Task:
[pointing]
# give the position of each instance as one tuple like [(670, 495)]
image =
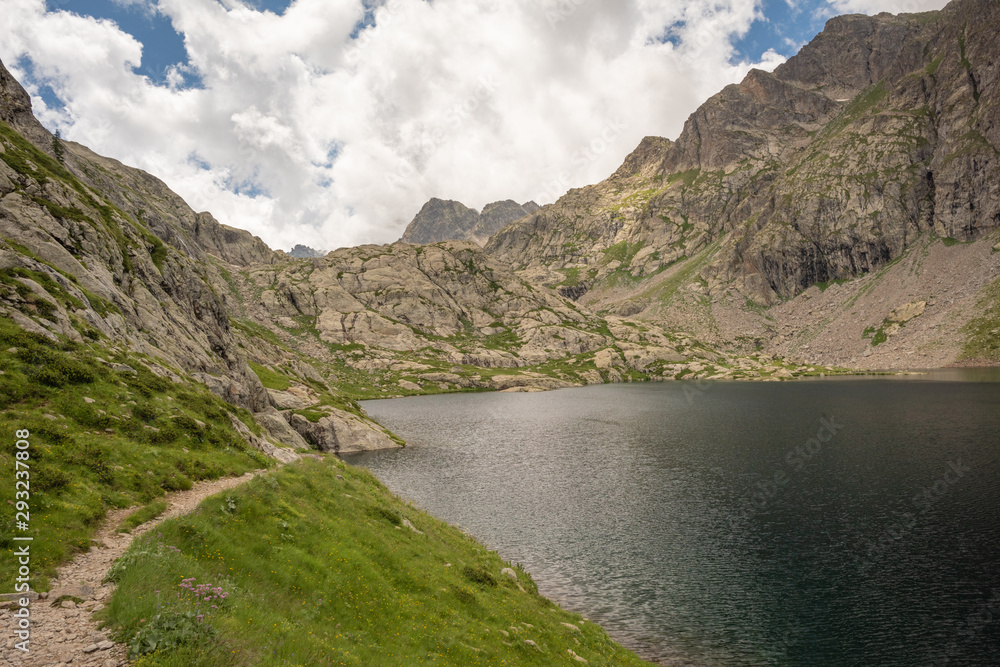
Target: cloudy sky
[(330, 122)]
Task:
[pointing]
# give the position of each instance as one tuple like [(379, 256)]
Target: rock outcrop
[(89, 247), (341, 432), (441, 220)]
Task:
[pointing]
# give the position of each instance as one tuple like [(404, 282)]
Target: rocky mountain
[(100, 254), (441, 220), (879, 137), (303, 251), (107, 257)]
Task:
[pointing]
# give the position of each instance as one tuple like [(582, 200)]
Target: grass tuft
[(142, 515)]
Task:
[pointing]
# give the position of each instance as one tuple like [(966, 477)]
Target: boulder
[(341, 432), (296, 397), (262, 444), (607, 358), (81, 591), (277, 426), (907, 312)]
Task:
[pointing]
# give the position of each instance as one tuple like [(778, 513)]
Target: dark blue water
[(806, 523)]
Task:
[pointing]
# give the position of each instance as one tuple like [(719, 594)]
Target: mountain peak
[(303, 251), (449, 220)]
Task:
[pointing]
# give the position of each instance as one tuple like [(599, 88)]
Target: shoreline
[(646, 650), (912, 373)]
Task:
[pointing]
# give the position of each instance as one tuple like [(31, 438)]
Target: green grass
[(100, 305), (825, 285), (254, 330), (982, 334), (933, 66), (142, 515), (877, 335), (322, 571), (623, 251), (864, 103), (9, 277), (684, 274), (271, 378), (138, 439), (23, 157), (504, 340), (62, 212), (312, 415), (686, 177), (572, 277)]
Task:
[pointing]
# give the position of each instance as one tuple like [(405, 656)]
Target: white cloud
[(878, 6), (302, 134)]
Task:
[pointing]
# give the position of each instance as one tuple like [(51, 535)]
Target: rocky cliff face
[(91, 246), (93, 251), (441, 220), (882, 131)]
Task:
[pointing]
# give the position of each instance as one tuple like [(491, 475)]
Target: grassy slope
[(982, 341), (135, 441), (321, 571)]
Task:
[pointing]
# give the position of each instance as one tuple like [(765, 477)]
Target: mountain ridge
[(731, 165), (449, 220), (879, 137)]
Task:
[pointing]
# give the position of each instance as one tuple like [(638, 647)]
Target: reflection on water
[(799, 523)]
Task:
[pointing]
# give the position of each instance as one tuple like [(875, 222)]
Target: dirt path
[(67, 635)]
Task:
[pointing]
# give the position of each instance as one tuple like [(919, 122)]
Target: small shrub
[(129, 559), (166, 632), (464, 595), (386, 514), (478, 575), (165, 435), (176, 483), (49, 478), (147, 383), (105, 473), (145, 411)]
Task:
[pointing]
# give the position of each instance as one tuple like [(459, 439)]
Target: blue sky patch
[(42, 89), (784, 28), (162, 48), (367, 21), (275, 6)]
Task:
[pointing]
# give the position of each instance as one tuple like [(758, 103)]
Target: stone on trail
[(81, 591)]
